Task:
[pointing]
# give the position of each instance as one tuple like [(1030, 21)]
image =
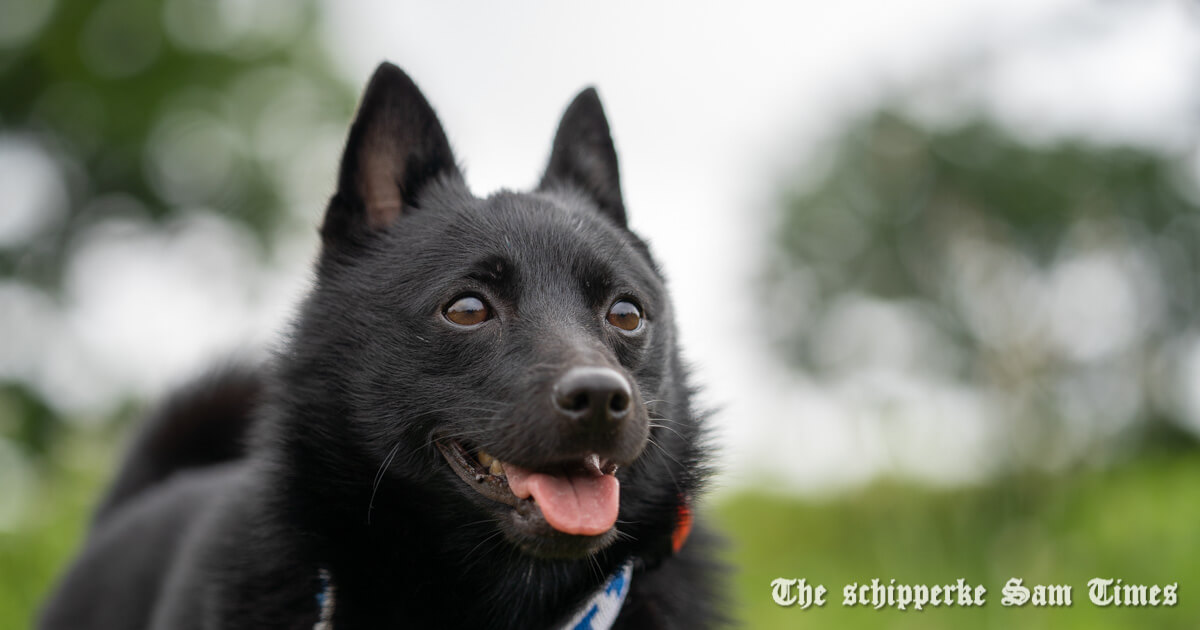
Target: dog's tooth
[(591, 463), (485, 459), (496, 468)]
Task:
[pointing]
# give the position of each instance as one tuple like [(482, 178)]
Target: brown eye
[(625, 315), (468, 310)]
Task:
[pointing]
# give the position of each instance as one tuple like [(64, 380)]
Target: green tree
[(151, 109), (1057, 282)]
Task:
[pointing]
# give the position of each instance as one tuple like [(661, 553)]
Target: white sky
[(712, 106)]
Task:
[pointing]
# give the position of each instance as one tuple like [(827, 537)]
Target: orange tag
[(682, 528)]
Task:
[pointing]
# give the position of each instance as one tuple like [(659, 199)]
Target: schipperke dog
[(480, 420)]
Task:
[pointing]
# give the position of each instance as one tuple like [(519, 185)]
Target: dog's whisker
[(597, 570), (625, 536), (379, 475), (654, 425), (457, 435), (444, 410), (665, 452), (471, 565), (478, 522), (666, 466)]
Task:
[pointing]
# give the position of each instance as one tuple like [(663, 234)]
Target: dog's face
[(507, 350)]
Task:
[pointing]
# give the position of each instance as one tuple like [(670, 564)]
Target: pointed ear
[(584, 158), (396, 147)]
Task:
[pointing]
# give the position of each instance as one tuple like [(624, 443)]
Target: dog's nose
[(596, 395)]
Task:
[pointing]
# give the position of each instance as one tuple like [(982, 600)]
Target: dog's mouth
[(580, 498)]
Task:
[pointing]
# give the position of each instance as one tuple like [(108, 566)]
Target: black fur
[(344, 474)]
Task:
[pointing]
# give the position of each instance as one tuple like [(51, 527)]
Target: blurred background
[(937, 265)]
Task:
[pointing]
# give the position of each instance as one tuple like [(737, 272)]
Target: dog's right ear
[(395, 149)]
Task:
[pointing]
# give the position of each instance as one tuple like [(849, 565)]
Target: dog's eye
[(468, 310), (625, 315)]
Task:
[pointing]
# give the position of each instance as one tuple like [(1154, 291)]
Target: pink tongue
[(582, 504)]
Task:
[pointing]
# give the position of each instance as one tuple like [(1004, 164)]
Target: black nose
[(596, 395)]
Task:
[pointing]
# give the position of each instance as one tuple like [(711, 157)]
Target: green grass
[(32, 556), (1137, 522)]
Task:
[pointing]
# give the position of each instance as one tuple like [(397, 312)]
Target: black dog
[(480, 421)]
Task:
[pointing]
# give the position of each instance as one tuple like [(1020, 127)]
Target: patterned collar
[(597, 613)]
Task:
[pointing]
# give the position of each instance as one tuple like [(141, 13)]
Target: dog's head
[(513, 348)]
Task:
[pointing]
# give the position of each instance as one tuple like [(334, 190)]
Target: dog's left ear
[(583, 156), (395, 149)]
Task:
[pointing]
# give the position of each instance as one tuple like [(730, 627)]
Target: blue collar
[(597, 613), (601, 610)]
